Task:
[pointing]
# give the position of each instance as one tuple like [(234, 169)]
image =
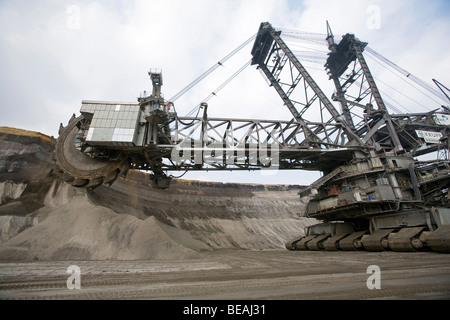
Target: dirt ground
[(237, 275)]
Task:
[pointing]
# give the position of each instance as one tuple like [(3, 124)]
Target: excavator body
[(375, 193)]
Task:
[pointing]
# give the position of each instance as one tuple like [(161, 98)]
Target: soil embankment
[(43, 218)]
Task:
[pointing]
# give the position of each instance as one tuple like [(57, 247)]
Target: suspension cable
[(214, 93), (178, 177), (407, 74), (214, 67)]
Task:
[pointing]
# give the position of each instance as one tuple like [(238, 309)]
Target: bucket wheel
[(79, 168)]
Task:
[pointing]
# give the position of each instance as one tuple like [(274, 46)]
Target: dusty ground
[(237, 275)]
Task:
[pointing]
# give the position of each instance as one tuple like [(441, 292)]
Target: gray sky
[(53, 54)]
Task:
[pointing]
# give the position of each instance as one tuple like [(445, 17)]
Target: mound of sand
[(73, 228), (42, 217)]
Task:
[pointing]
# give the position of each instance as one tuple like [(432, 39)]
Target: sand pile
[(74, 225), (70, 227), (42, 217)]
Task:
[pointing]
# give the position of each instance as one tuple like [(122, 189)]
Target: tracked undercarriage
[(375, 194), (394, 204)]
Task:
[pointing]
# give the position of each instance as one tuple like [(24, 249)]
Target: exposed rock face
[(41, 217)]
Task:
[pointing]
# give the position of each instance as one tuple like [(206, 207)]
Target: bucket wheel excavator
[(374, 193)]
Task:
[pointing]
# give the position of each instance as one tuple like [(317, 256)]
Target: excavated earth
[(195, 240)]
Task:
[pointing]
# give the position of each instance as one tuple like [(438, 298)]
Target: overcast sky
[(53, 54)]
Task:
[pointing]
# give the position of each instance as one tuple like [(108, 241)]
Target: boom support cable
[(407, 74), (214, 93), (210, 70)]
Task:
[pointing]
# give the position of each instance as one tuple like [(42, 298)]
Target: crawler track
[(403, 240)]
